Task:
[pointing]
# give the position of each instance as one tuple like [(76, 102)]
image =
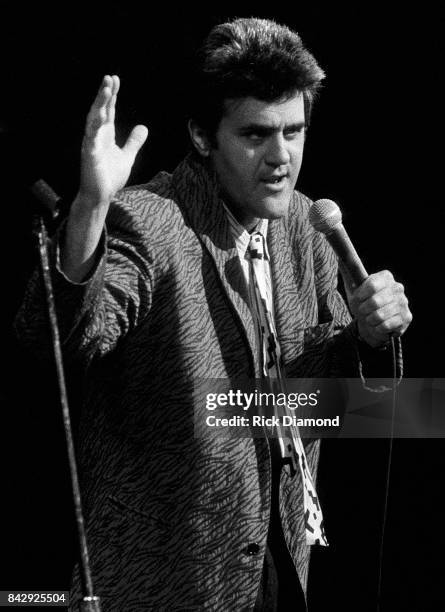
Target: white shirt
[(242, 240)]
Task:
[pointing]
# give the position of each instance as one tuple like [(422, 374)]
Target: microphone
[(46, 196), (325, 216)]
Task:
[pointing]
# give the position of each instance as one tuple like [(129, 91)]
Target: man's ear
[(199, 138)]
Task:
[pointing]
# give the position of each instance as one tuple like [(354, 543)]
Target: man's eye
[(294, 132), (254, 136)]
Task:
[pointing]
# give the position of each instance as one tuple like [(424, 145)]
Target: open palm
[(105, 167)]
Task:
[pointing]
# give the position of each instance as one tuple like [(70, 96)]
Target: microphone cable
[(396, 360)]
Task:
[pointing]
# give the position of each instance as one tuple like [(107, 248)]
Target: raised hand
[(105, 167)]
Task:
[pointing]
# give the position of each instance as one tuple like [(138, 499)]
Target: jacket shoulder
[(300, 205), (149, 208), (307, 240), (299, 226)]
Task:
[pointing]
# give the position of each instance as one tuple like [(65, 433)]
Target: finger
[(111, 105), (347, 280), (97, 115), (116, 84), (135, 141), (388, 295), (395, 324), (373, 284), (380, 315), (103, 93)]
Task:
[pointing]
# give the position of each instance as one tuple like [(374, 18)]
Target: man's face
[(258, 156)]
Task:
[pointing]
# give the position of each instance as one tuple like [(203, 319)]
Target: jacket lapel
[(289, 318), (197, 190)]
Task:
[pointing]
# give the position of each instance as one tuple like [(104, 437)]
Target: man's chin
[(274, 208), (264, 208)]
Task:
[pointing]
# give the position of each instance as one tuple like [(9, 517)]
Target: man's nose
[(277, 153)]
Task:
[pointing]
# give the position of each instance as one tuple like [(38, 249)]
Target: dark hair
[(250, 57)]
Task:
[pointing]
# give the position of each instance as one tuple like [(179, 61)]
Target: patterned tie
[(291, 446)]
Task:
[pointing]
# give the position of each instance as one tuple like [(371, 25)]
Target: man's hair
[(250, 58)]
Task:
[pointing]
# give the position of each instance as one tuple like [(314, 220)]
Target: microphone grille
[(46, 195), (324, 215)]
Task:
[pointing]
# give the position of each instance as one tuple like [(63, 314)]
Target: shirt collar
[(242, 236)]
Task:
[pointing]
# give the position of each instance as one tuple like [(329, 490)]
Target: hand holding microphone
[(377, 301)]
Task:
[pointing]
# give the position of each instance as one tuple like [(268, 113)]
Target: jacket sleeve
[(94, 315)]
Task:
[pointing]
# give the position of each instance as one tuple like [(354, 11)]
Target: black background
[(375, 146)]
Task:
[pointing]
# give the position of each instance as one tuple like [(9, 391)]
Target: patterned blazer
[(171, 518)]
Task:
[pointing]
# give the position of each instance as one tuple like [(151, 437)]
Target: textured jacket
[(171, 518)]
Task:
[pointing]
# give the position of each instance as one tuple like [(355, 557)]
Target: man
[(155, 292)]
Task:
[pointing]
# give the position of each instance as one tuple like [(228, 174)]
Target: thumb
[(135, 140), (349, 285)]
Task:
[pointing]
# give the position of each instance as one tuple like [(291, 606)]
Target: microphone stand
[(50, 200)]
